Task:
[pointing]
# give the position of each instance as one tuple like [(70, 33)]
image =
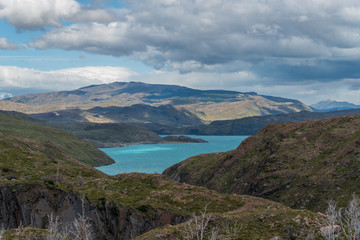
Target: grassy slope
[(299, 164), (68, 143), (257, 219), (29, 162), (25, 161)]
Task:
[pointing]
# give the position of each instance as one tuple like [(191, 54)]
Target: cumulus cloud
[(206, 35), (66, 79), (25, 14), (35, 14), (6, 45)]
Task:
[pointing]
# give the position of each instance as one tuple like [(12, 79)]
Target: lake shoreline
[(172, 139), (155, 158)]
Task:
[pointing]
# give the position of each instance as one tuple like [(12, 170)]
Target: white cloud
[(240, 81), (27, 14), (6, 45), (65, 79), (206, 35)]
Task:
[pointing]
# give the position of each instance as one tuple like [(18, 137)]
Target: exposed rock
[(30, 205)]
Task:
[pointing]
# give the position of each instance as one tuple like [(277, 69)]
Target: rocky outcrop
[(31, 204)]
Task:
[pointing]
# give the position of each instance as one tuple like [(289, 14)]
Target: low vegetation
[(38, 163), (298, 164), (32, 155), (67, 143), (257, 219)]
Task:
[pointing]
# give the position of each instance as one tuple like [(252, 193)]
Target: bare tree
[(343, 223), (230, 228), (331, 229), (82, 229), (56, 229), (351, 219), (197, 226)]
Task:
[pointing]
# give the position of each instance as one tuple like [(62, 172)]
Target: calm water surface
[(155, 158)]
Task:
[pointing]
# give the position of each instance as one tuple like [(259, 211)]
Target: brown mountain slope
[(299, 164), (208, 105)]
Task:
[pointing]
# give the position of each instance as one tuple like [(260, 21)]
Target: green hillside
[(38, 177), (302, 165), (66, 142), (257, 219)]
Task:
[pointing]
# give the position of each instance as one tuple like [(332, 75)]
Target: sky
[(307, 50)]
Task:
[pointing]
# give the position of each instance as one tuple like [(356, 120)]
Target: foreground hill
[(39, 178), (208, 105), (66, 142), (302, 164)]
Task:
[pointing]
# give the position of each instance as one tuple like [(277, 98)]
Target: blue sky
[(308, 51)]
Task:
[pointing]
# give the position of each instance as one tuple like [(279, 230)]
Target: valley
[(274, 185), (38, 177), (179, 120)]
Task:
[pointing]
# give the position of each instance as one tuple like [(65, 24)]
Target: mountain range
[(206, 105), (329, 105), (248, 125)]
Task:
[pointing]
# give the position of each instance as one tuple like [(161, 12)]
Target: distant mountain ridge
[(248, 125), (208, 105), (138, 113), (329, 105)]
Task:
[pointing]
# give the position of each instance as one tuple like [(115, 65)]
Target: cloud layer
[(66, 79), (206, 35), (301, 50), (29, 15)]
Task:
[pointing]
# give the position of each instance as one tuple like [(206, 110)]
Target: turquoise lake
[(155, 158)]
